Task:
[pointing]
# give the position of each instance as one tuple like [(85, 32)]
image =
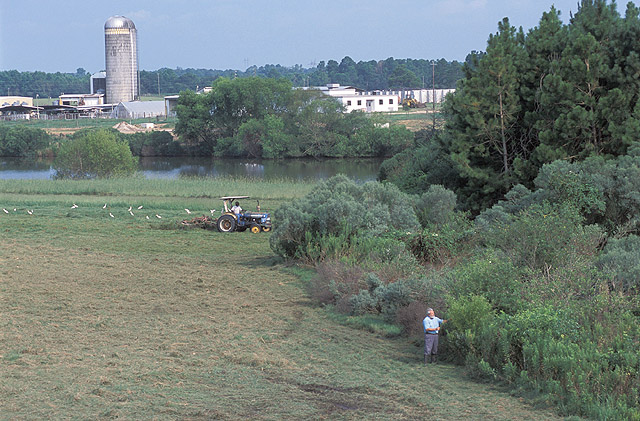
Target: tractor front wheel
[(266, 229), (255, 229), (226, 223)]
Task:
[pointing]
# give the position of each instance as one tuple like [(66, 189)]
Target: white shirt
[(236, 209)]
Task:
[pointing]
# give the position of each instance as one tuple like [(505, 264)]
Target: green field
[(135, 318), (86, 123)]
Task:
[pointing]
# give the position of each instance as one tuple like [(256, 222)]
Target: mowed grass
[(134, 318)]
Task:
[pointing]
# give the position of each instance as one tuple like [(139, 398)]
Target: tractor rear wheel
[(226, 223)]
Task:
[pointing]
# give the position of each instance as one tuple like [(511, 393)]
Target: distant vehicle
[(254, 221)]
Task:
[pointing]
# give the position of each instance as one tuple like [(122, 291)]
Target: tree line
[(265, 118), (370, 75), (559, 91)]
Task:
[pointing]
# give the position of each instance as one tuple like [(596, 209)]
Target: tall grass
[(210, 188)]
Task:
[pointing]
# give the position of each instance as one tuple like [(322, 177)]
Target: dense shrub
[(542, 236), (335, 213), (554, 352), (602, 191), (416, 169), (23, 141), (621, 258), (492, 275), (154, 143), (439, 243), (92, 154), (436, 206)]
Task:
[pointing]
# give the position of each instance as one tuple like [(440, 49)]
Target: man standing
[(431, 325)]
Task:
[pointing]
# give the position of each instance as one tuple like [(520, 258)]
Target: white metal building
[(358, 99), (428, 95), (139, 109)]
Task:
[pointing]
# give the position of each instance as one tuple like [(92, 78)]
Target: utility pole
[(433, 87)]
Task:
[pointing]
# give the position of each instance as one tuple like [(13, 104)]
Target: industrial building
[(355, 99), (139, 109)]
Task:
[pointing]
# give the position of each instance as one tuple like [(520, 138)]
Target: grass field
[(64, 126), (134, 318)]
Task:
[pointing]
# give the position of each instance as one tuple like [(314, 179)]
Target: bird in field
[(139, 207), (111, 215), (129, 209), (74, 206), (158, 216), (147, 216), (105, 206), (15, 210), (30, 212), (131, 213), (5, 211), (187, 210), (212, 211)]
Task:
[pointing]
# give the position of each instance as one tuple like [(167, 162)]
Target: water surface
[(175, 167)]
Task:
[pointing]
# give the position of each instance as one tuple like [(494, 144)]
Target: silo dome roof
[(119, 22)]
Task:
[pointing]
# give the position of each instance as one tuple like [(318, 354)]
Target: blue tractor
[(235, 219)]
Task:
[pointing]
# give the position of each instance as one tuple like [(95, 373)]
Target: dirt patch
[(67, 131), (124, 127)]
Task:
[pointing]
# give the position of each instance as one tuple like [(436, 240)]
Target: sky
[(64, 35)]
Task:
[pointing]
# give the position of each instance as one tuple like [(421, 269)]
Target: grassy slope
[(122, 317)]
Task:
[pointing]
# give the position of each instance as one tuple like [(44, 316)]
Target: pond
[(175, 167)]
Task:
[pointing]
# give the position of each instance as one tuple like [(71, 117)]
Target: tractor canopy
[(229, 199)]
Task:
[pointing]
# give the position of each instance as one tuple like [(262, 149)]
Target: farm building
[(139, 109), (358, 99), (81, 99)]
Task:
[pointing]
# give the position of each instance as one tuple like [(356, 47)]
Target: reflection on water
[(159, 167), (24, 169)]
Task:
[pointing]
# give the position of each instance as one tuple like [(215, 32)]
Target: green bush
[(439, 243), (23, 141), (621, 258), (91, 154), (492, 275), (155, 143), (436, 206), (335, 213), (584, 359), (543, 236)]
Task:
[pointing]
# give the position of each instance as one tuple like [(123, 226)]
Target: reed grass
[(200, 187)]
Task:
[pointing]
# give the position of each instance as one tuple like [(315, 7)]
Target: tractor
[(243, 220)]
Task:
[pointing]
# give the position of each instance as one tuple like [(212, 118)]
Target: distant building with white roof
[(355, 99)]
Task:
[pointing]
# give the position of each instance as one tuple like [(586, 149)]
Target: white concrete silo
[(121, 56)]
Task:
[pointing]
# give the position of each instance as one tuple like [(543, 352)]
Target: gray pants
[(430, 344)]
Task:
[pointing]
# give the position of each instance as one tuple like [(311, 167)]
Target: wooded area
[(369, 75)]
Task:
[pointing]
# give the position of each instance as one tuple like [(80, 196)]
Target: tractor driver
[(236, 209)]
